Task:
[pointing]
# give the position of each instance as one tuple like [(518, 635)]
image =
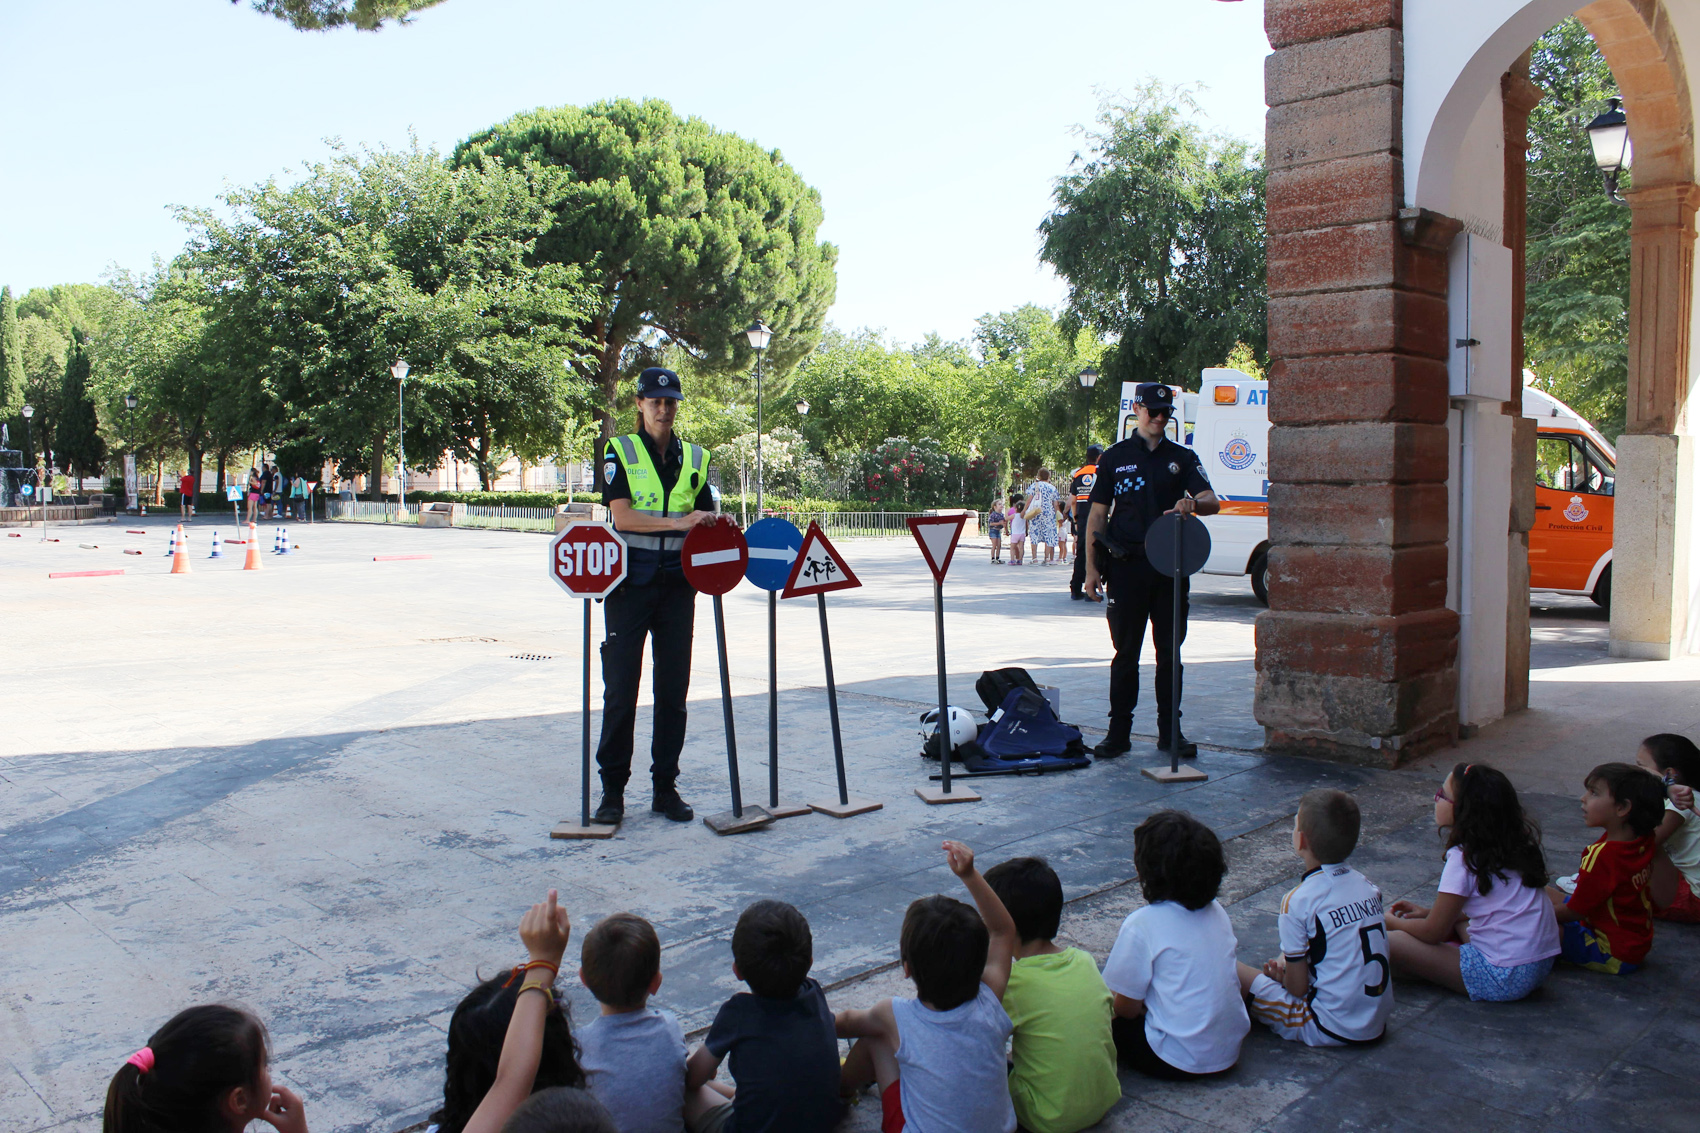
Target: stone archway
[(1371, 104)]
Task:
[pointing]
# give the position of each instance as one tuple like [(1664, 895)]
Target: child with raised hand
[(1064, 1072), (486, 1082), (206, 1069), (779, 1035), (939, 1058), (1331, 985), (1676, 760), (1492, 897), (1178, 1008), (1606, 923)]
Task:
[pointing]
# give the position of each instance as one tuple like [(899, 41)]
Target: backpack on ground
[(1025, 735)]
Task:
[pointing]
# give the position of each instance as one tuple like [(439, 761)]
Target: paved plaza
[(324, 790)]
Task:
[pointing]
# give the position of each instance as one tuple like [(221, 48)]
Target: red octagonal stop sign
[(588, 560), (714, 555)]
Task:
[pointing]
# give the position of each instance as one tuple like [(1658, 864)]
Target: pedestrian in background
[(996, 518), (185, 496), (1017, 528), (254, 493), (1041, 515)]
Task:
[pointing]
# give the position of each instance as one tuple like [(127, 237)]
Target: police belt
[(654, 542)]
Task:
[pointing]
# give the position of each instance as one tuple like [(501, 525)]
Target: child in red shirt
[(1607, 924)]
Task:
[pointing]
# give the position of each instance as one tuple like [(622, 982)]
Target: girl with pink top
[(1491, 933)]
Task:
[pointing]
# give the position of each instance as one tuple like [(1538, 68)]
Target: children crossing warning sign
[(819, 567)]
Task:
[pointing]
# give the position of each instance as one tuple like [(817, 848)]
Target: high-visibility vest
[(645, 483), (1085, 493)]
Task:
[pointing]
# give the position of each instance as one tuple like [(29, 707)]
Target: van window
[(1561, 464)]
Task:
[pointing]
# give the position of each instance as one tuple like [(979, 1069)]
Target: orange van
[(1575, 477)]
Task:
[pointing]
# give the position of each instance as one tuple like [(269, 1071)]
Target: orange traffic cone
[(180, 560), (253, 560)]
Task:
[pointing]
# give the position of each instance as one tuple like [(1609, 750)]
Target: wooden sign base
[(846, 810), (1183, 775), (934, 796), (726, 822), (575, 830), (788, 810)]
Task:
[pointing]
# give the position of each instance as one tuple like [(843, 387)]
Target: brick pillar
[(1518, 97), (1357, 655)]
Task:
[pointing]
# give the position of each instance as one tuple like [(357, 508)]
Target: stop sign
[(714, 555), (588, 560)]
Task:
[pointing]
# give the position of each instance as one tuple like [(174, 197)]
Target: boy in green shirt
[(1064, 1078)]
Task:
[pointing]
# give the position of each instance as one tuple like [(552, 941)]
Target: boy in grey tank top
[(939, 1058)]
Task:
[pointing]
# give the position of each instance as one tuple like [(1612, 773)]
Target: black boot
[(611, 810), (668, 802), (1117, 742), (1188, 749)]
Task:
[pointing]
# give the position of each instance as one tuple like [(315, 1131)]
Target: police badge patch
[(1174, 469), (608, 469)]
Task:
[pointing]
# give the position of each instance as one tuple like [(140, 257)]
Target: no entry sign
[(774, 543), (588, 560), (715, 555)]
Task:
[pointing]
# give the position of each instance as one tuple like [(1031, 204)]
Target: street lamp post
[(1608, 134), (1088, 379), (130, 453), (759, 334), (399, 372), (40, 475)]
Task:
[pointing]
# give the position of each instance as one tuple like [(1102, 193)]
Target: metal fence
[(836, 524), (507, 518), (864, 524)]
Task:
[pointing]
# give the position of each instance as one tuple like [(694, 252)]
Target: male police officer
[(656, 486), (1139, 479), (1080, 491)]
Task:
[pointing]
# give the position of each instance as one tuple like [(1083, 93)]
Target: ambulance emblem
[(1576, 512), (1238, 455)]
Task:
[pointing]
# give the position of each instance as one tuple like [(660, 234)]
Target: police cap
[(1154, 396), (658, 382)]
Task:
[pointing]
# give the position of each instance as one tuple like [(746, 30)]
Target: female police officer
[(656, 486), (1139, 479)]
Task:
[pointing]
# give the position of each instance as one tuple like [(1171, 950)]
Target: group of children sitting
[(1007, 1026)]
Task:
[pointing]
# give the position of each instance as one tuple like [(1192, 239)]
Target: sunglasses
[(1160, 410)]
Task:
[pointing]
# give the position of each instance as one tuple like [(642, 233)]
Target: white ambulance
[(1570, 547)]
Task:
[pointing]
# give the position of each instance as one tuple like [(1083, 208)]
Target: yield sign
[(819, 567), (937, 535)]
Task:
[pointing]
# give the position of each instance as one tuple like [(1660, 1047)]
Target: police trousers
[(1077, 581), (664, 610), (1138, 593)]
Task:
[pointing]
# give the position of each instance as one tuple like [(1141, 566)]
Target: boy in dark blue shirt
[(780, 1034)]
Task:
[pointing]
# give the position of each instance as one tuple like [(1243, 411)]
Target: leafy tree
[(321, 15), (76, 434), (861, 390), (1159, 233), (1027, 395), (11, 358), (372, 258), (1576, 316), (684, 233)]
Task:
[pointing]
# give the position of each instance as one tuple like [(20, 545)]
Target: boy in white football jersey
[(1332, 984)]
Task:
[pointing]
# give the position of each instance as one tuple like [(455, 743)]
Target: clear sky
[(932, 128)]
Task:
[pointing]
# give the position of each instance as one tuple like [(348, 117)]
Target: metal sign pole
[(726, 706), (773, 698), (584, 704), (1175, 650), (944, 706), (832, 705)]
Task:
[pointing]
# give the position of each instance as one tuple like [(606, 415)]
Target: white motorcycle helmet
[(962, 726)]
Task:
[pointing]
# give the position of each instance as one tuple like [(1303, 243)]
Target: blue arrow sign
[(774, 544)]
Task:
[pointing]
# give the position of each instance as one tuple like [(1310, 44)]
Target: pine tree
[(76, 437)]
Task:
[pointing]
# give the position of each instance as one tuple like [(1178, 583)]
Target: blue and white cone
[(216, 553), (171, 546), (283, 542)]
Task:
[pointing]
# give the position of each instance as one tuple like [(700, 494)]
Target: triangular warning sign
[(818, 567), (937, 535)]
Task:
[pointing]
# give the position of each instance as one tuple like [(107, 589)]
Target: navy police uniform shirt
[(1141, 483), (668, 465)]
